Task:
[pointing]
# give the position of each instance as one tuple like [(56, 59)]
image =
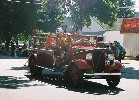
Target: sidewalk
[(131, 64)]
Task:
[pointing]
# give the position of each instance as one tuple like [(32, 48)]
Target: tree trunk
[(81, 2)]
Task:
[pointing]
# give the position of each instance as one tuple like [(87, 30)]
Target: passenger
[(64, 41), (49, 41)]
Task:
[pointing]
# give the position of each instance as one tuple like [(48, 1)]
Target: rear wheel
[(34, 69), (113, 81), (74, 76)]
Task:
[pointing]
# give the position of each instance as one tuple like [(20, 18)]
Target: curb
[(130, 58)]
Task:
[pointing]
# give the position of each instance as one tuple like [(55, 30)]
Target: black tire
[(113, 81), (34, 69), (74, 76)]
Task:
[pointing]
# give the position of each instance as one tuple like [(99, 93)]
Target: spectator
[(4, 52), (120, 48), (116, 52), (17, 51), (12, 50), (1, 49), (112, 47)]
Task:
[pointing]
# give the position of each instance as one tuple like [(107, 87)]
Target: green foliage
[(17, 17), (21, 18), (106, 11), (79, 14), (23, 37), (51, 15), (127, 11)]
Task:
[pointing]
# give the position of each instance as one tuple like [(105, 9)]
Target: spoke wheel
[(34, 69), (75, 76)]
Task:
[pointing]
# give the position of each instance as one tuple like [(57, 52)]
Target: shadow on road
[(20, 68), (130, 73), (88, 87), (10, 82), (16, 82), (56, 80)]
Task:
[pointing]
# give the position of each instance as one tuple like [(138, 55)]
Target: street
[(16, 83)]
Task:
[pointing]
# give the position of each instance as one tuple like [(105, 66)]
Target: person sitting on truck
[(49, 41), (64, 41)]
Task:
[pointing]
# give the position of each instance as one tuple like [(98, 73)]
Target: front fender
[(82, 64), (116, 66)]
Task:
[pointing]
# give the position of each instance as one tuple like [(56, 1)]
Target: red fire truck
[(79, 58)]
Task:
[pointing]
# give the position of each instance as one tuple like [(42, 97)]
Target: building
[(130, 30), (94, 29), (105, 32)]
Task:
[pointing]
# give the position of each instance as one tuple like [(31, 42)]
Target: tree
[(16, 17), (106, 11), (126, 9), (24, 16), (51, 15)]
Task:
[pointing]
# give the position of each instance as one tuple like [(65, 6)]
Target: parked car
[(83, 58)]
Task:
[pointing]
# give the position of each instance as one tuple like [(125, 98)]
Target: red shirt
[(49, 41)]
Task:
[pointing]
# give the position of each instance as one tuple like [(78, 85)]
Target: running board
[(102, 74)]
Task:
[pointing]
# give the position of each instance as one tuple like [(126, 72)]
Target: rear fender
[(81, 64), (32, 56), (44, 59)]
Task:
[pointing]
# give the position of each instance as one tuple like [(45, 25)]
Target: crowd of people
[(14, 50)]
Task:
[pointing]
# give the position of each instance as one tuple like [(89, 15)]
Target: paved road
[(16, 83)]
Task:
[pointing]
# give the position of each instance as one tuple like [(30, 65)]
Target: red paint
[(117, 66), (82, 64), (130, 25)]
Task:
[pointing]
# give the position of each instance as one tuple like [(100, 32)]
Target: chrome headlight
[(111, 57), (89, 56)]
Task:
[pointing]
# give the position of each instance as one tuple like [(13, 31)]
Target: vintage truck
[(84, 59)]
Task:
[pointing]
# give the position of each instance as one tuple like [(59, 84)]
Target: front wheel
[(113, 81), (74, 76)]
